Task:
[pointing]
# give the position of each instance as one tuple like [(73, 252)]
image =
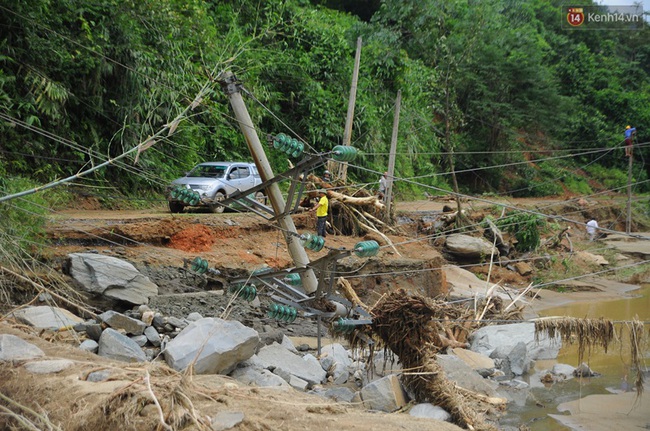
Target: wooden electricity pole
[(233, 89), (347, 133), (391, 156)]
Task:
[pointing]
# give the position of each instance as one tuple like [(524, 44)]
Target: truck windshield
[(208, 171)]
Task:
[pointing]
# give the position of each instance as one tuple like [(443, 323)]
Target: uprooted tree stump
[(415, 329)]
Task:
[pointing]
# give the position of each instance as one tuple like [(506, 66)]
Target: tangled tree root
[(416, 329)]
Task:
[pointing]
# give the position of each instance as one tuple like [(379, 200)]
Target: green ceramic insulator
[(366, 248), (344, 153), (298, 149), (293, 279), (279, 141), (342, 326), (194, 198), (200, 265), (282, 312), (312, 241), (176, 192), (247, 292), (261, 271)]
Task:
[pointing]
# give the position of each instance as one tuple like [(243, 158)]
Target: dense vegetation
[(483, 84)]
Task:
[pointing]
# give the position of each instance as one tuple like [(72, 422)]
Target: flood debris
[(590, 333), (415, 329)]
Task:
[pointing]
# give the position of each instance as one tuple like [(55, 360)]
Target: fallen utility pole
[(232, 88)]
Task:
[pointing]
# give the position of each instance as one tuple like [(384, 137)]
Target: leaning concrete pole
[(232, 88)]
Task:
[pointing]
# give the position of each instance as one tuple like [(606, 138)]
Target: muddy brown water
[(613, 365)]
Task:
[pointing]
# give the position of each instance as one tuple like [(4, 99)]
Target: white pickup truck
[(214, 182)]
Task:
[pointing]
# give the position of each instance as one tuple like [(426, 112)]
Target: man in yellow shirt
[(321, 213)]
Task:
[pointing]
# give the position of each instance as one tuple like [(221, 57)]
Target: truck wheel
[(218, 209), (176, 207)]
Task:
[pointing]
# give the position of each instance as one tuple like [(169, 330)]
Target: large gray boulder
[(111, 277), (385, 394), (121, 321), (487, 338), (254, 376), (335, 360), (14, 348), (212, 345), (46, 317), (464, 376), (285, 363), (470, 247), (116, 346)]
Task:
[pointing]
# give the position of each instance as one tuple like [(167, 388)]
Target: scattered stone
[(340, 394), (254, 376), (14, 348), (194, 316), (474, 360), (89, 346), (140, 340), (563, 370), (176, 322), (147, 317), (298, 383), (94, 331), (487, 338), (523, 268), (464, 376), (120, 321), (111, 277), (46, 317), (385, 394), (226, 420), (547, 378), (584, 371), (48, 366), (212, 345), (288, 344), (429, 411), (114, 345), (470, 247), (336, 361), (280, 360), (98, 376), (152, 336)]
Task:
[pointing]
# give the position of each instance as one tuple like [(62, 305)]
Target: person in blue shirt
[(629, 132)]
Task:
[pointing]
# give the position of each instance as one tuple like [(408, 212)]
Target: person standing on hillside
[(592, 227), (629, 133), (383, 185), (321, 213)]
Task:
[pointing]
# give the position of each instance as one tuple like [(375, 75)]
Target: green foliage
[(526, 228), (616, 178), (22, 220), (82, 80)]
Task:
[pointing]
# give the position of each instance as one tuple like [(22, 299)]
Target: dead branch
[(349, 293), (357, 201), (376, 220)]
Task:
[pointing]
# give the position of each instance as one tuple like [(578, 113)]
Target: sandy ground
[(621, 412)]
